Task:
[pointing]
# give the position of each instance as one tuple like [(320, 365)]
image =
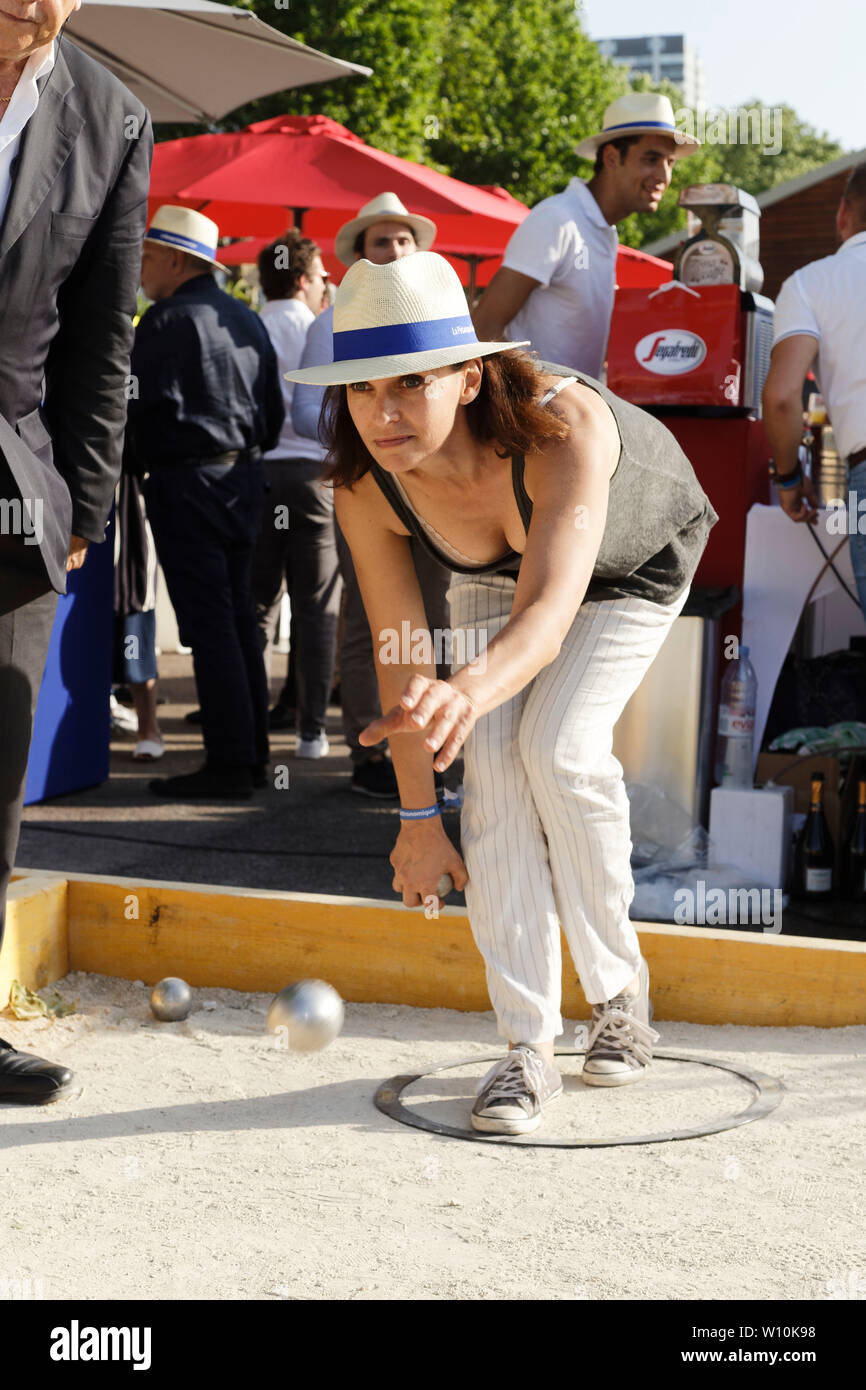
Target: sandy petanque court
[(201, 1160)]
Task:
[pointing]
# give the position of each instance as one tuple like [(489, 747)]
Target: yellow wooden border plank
[(35, 946), (374, 951)]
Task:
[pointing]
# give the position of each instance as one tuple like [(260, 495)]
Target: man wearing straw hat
[(208, 405), (383, 231), (75, 151), (557, 279)]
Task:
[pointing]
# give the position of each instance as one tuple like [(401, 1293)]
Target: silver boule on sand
[(171, 999), (306, 1016)]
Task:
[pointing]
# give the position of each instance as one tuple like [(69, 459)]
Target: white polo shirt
[(288, 322), (566, 243), (827, 300), (14, 116)]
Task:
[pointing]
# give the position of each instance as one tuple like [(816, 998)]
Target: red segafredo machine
[(695, 352)]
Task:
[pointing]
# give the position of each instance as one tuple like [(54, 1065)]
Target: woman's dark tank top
[(658, 516)]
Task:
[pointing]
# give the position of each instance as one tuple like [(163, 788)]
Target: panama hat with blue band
[(639, 113), (185, 230), (390, 320)]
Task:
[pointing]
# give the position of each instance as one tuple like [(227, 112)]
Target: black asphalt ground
[(314, 836)]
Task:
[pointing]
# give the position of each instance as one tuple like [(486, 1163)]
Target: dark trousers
[(359, 688), (27, 606), (204, 522), (303, 557)]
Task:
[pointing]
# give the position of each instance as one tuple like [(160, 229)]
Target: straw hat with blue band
[(639, 113), (390, 320), (185, 230)]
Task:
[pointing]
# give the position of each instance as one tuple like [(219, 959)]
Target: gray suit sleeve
[(307, 400), (88, 362)]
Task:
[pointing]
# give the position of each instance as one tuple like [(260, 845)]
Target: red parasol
[(312, 172)]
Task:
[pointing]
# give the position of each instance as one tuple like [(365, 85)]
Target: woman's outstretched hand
[(446, 713)]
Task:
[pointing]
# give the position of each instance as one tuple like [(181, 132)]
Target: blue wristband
[(795, 478), (423, 814)]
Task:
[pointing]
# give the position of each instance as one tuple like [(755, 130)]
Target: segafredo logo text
[(670, 351)]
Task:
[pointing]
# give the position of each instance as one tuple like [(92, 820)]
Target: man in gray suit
[(75, 151)]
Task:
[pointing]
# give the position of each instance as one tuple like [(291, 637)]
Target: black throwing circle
[(769, 1092)]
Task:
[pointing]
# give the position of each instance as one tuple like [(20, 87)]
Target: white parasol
[(193, 60)]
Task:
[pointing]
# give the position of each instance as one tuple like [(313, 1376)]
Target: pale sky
[(808, 54)]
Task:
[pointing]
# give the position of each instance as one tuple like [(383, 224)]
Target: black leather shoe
[(376, 777), (194, 717), (211, 782), (31, 1080), (282, 716)]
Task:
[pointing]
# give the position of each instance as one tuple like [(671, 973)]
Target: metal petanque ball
[(171, 999), (307, 1015)]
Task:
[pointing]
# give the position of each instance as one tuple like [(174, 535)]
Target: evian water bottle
[(737, 723)]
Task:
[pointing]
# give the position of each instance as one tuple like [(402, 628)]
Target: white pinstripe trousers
[(545, 822)]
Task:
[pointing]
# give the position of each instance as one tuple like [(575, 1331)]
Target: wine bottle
[(815, 852), (855, 868)]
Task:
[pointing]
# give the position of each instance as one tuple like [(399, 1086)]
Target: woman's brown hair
[(505, 411)]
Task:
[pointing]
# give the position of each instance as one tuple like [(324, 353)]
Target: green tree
[(520, 85), (788, 147), (402, 42)]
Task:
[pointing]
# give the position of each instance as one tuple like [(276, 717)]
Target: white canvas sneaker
[(619, 1048), (123, 720), (317, 747), (513, 1093)]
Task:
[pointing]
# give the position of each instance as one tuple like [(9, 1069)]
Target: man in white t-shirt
[(297, 545), (556, 283), (820, 319)]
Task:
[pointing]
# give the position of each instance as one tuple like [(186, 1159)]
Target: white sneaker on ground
[(148, 750), (317, 747), (123, 720), (619, 1048), (513, 1093)]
